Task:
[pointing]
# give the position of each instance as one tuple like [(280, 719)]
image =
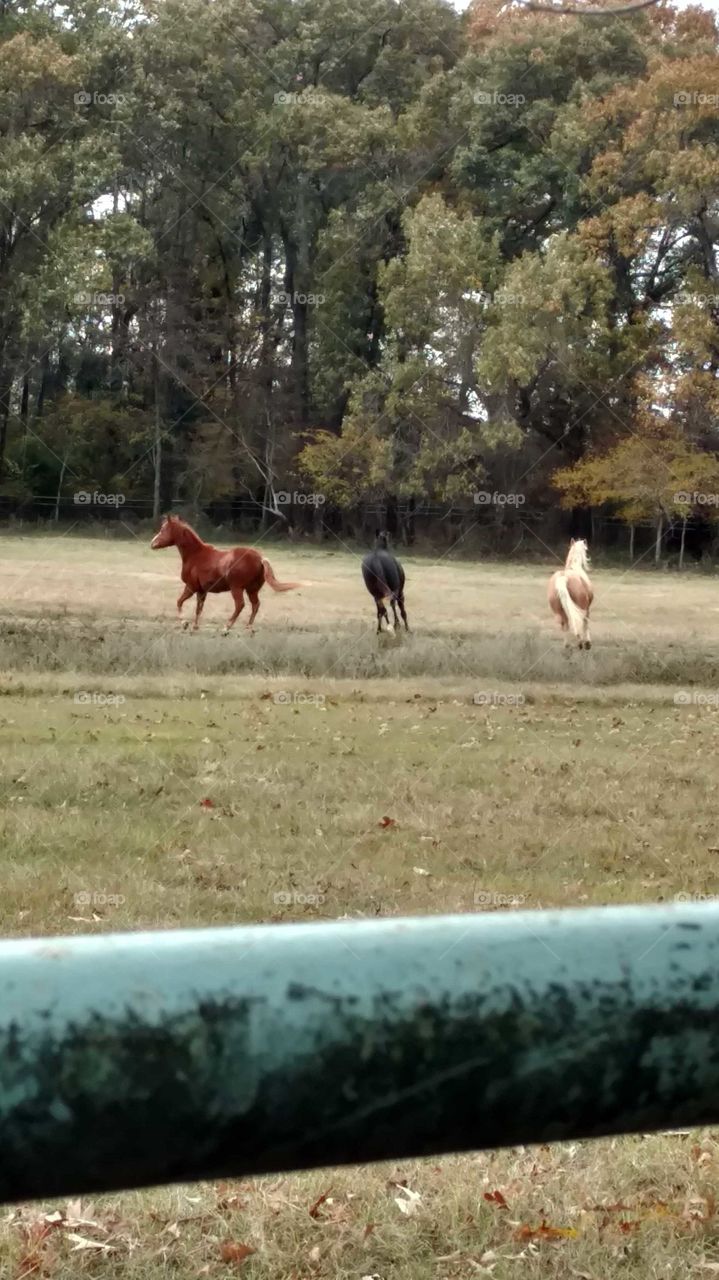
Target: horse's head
[(381, 540), (167, 535), (578, 556)]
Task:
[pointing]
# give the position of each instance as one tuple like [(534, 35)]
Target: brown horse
[(570, 594), (206, 568)]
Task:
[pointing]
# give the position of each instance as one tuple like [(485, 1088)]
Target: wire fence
[(486, 524)]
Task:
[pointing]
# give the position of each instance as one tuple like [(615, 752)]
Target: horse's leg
[(587, 637), (238, 595), (381, 613), (254, 597), (199, 606), (186, 594), (403, 611), (395, 624)]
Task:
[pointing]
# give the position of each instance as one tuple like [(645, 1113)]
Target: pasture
[(155, 778)]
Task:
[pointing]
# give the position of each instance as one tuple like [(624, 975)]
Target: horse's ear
[(571, 542)]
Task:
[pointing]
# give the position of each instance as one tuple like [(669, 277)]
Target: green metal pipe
[(133, 1059)]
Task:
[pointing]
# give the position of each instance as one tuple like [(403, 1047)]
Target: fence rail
[(133, 1059)]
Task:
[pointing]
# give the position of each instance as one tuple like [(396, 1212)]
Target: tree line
[(379, 253)]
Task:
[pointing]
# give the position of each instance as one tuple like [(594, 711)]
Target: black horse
[(384, 579)]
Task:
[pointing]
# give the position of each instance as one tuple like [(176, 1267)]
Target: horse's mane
[(184, 528), (578, 557)]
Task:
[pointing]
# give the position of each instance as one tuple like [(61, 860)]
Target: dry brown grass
[(113, 579), (109, 607), (588, 791)]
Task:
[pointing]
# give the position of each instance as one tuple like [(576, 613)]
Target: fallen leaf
[(411, 1204), (420, 871), (387, 822), (231, 1251), (82, 1242), (496, 1197), (545, 1232), (314, 1209), (231, 1201), (207, 803)]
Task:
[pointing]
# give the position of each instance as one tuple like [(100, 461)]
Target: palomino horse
[(206, 568), (384, 579), (570, 593)]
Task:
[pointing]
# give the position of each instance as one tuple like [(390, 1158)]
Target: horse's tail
[(279, 586), (573, 614)]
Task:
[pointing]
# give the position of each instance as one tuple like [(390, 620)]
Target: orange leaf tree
[(655, 473)]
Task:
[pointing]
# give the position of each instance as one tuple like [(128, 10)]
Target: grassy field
[(152, 778)]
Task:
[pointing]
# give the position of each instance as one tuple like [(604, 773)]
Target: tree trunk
[(5, 401), (299, 358), (25, 397), (4, 415), (157, 452), (43, 384), (59, 489), (681, 546), (631, 543), (658, 543)]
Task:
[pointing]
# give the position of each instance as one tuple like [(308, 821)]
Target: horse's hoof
[(225, 631), (587, 644)]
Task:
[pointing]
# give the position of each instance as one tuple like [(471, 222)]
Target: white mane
[(578, 557)]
